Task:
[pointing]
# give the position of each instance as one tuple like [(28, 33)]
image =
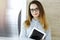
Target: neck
[(35, 18)]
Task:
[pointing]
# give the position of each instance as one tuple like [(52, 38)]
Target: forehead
[(33, 6)]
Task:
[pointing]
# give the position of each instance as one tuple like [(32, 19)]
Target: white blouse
[(34, 23)]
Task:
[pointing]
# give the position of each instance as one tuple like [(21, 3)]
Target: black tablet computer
[(37, 34)]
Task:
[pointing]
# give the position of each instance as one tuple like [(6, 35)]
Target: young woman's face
[(34, 10)]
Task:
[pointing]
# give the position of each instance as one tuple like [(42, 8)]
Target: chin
[(35, 16)]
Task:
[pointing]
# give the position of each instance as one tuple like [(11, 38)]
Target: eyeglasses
[(36, 9)]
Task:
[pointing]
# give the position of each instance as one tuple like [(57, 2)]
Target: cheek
[(38, 13)]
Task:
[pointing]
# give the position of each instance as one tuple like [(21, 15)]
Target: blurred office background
[(9, 11)]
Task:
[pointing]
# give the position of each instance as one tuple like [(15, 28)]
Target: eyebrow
[(33, 9)]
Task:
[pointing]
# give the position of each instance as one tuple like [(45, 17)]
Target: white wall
[(13, 9)]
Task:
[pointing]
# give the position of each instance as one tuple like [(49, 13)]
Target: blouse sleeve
[(48, 34), (23, 35)]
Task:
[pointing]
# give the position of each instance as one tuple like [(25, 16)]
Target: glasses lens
[(32, 10)]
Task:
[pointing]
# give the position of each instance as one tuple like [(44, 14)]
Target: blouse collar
[(34, 20)]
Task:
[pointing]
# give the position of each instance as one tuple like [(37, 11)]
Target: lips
[(35, 14)]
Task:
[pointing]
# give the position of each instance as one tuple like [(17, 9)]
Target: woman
[(35, 18)]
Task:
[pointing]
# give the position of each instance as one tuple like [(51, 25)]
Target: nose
[(34, 11)]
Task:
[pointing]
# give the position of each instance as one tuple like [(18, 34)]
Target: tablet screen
[(37, 34)]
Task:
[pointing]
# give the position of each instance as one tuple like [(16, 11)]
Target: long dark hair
[(41, 17)]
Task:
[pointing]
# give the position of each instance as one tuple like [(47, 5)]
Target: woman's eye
[(32, 10)]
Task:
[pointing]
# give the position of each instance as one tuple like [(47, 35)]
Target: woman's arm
[(48, 34), (23, 35)]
